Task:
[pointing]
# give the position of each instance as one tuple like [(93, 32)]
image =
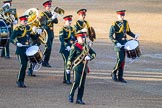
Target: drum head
[(32, 50), (130, 45)]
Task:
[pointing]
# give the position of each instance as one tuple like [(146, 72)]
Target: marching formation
[(76, 41)]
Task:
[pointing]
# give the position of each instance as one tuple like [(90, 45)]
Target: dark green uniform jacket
[(67, 37), (80, 25), (76, 50), (120, 29), (22, 34)]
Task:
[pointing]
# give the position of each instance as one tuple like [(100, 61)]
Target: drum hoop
[(29, 50), (128, 45)]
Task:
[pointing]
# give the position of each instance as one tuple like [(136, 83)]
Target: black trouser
[(65, 58), (48, 47), (78, 83), (23, 61), (120, 63)]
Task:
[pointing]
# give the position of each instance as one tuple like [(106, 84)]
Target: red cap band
[(23, 18), (82, 13), (81, 35), (69, 19), (47, 4), (121, 13)]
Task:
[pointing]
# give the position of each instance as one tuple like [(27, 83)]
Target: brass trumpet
[(58, 10)]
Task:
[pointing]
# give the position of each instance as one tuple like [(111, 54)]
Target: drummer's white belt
[(81, 57)]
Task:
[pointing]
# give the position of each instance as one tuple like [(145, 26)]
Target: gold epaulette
[(24, 33), (113, 23)]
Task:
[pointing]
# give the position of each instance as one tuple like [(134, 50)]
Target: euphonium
[(7, 15), (33, 20)]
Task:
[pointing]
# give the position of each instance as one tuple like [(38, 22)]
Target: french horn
[(33, 20)]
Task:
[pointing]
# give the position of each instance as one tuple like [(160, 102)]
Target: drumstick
[(25, 45)]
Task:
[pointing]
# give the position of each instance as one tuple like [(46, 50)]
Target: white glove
[(68, 71), (19, 44), (84, 30), (119, 45), (87, 58), (54, 16), (68, 48), (39, 31), (34, 28), (14, 22), (9, 26), (136, 36)]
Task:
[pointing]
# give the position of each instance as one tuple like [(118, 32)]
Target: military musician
[(79, 56), (67, 38), (81, 25), (50, 18), (20, 37), (10, 21), (118, 35)]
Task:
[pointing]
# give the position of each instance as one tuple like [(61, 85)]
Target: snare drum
[(4, 34), (34, 54), (132, 49)]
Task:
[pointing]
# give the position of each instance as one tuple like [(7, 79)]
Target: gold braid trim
[(81, 57), (46, 15), (24, 33), (70, 31), (85, 23), (50, 24), (122, 27)]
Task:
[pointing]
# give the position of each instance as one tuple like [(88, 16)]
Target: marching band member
[(20, 37), (80, 53), (36, 29), (50, 19), (67, 38), (120, 28), (81, 25), (6, 51)]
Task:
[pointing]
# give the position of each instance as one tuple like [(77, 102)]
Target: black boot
[(21, 84), (79, 101), (68, 82), (45, 64), (114, 77), (122, 80), (30, 73), (70, 98)]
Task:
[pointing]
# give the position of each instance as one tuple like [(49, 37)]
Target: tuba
[(33, 20)]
